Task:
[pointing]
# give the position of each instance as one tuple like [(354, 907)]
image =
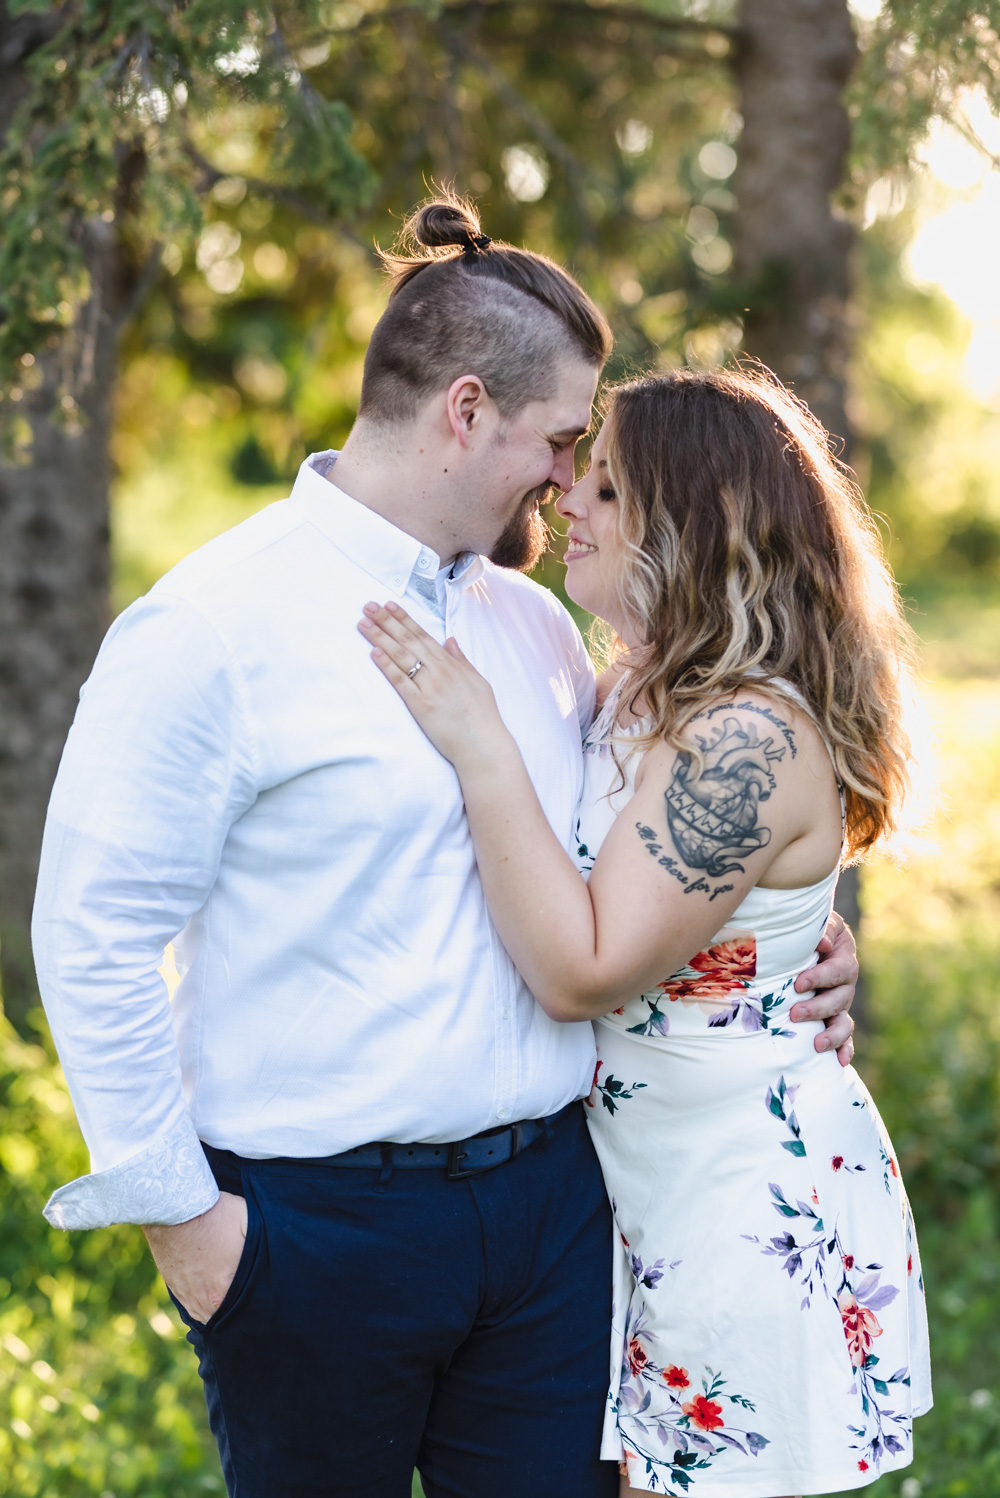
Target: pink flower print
[(861, 1327), (637, 1357), (723, 970), (736, 959)]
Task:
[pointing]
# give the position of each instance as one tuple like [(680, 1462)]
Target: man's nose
[(562, 472)]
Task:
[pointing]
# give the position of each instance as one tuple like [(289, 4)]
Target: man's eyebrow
[(568, 432)]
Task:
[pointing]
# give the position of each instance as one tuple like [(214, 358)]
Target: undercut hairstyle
[(750, 559), (462, 303)]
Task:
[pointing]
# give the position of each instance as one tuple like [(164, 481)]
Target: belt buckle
[(456, 1154)]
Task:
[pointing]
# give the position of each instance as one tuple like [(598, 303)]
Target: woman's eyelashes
[(606, 494)]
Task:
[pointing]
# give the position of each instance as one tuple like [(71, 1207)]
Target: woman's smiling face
[(594, 545)]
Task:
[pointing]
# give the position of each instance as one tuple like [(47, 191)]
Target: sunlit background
[(248, 355)]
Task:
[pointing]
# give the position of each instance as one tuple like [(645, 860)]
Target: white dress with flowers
[(769, 1334)]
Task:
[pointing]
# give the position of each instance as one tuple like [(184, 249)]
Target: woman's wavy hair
[(750, 559)]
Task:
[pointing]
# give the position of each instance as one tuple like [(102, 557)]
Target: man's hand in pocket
[(198, 1259)]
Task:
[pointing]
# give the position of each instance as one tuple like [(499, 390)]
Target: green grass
[(99, 1396)]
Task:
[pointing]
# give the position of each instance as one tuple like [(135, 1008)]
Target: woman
[(769, 1334)]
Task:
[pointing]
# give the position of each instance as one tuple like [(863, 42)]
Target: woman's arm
[(672, 869)]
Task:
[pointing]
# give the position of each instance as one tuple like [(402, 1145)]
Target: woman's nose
[(568, 504)]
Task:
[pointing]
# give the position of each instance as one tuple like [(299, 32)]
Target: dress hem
[(788, 1486), (784, 1485)]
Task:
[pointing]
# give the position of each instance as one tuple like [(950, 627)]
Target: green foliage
[(106, 147), (917, 56), (928, 452), (99, 1394)]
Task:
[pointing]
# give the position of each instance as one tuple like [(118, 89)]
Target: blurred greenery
[(220, 396), (248, 354), (100, 1394)]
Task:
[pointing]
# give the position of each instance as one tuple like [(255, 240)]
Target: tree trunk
[(792, 251), (54, 547)]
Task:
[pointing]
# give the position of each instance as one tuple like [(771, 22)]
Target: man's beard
[(525, 537)]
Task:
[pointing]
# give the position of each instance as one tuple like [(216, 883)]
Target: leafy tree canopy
[(108, 139)]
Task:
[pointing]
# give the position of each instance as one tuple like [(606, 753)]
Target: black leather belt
[(461, 1158)]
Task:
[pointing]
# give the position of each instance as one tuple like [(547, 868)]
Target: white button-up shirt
[(241, 780)]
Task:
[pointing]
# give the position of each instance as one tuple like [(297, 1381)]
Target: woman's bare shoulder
[(751, 723)]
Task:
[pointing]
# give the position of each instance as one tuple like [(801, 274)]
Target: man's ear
[(467, 404)]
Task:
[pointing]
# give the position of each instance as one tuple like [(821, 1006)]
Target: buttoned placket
[(507, 1072)]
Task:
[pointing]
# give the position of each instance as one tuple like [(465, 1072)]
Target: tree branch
[(628, 14), (278, 194)]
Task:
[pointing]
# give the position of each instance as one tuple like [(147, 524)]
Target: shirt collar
[(374, 543)]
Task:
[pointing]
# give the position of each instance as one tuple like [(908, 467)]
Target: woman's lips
[(576, 549)]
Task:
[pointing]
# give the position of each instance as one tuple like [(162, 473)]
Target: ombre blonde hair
[(750, 559)]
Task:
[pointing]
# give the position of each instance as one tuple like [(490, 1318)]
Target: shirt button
[(503, 1113), (423, 563), (505, 1013)]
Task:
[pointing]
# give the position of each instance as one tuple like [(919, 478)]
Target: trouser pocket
[(241, 1280)]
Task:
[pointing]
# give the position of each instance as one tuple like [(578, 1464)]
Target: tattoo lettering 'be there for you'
[(713, 811)]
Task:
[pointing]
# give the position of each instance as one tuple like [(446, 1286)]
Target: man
[(242, 782)]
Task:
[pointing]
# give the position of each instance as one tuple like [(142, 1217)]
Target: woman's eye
[(606, 494)]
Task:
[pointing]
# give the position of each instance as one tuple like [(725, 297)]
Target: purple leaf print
[(753, 1020), (883, 1297)]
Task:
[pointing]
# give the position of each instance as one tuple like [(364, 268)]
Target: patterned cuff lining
[(168, 1183)]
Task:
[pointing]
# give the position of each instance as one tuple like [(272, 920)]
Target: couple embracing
[(414, 862)]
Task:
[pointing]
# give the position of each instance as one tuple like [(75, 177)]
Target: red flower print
[(909, 1263), (704, 1412), (676, 1378), (893, 1167), (837, 1161), (848, 1261), (590, 1100), (861, 1327), (862, 1466), (735, 959), (637, 1356), (713, 988)]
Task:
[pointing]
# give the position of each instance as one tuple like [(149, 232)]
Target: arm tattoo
[(753, 707), (712, 813)]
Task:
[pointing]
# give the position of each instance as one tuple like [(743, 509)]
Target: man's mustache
[(543, 495)]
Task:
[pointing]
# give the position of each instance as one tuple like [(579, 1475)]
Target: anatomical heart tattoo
[(712, 809)]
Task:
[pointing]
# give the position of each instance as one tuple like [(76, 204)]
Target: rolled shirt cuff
[(168, 1183)]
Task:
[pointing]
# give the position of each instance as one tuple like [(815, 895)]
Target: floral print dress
[(769, 1329)]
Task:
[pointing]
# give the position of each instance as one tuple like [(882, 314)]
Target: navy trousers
[(386, 1320)]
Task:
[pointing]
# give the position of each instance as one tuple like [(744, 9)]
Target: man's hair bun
[(460, 302), (445, 222)]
